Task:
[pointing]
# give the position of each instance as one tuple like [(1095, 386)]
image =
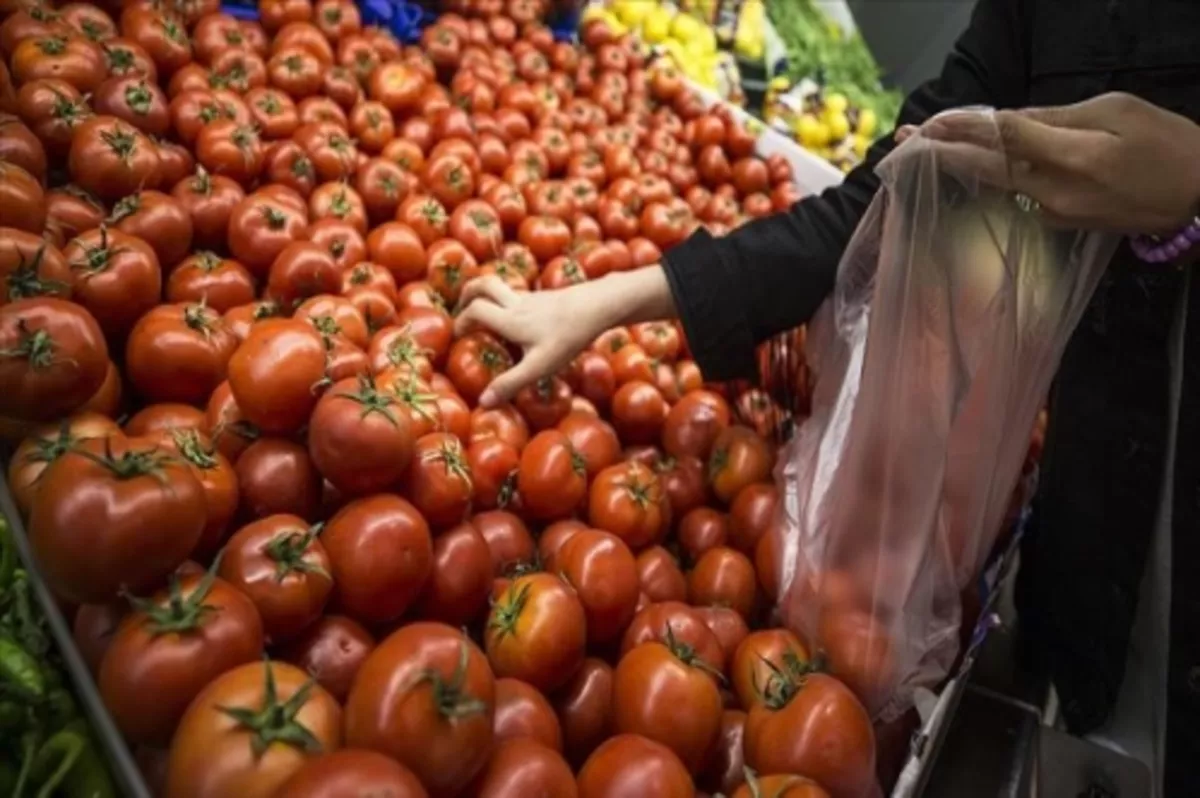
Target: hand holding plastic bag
[(952, 307)]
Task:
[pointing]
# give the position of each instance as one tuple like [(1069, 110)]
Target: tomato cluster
[(242, 239)]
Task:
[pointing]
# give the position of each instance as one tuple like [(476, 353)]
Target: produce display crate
[(121, 764)]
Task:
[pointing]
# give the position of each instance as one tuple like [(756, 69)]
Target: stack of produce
[(249, 428), (831, 98)]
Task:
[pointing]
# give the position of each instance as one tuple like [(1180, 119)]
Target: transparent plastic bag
[(952, 306)]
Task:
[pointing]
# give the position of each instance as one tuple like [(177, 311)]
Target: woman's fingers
[(534, 365), (483, 312), (489, 287)]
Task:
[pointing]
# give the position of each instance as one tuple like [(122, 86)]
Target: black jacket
[(1102, 470)]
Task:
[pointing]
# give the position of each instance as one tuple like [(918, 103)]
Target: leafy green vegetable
[(818, 48)]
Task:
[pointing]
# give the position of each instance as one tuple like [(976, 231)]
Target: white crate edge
[(811, 173)]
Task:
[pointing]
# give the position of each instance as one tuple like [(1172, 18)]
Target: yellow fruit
[(836, 103), (839, 126), (686, 28), (861, 143), (867, 122), (704, 41), (632, 12), (656, 26), (811, 132)]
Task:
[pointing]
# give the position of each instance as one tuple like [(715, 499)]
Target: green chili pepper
[(8, 778), (19, 671), (69, 766), (29, 629)]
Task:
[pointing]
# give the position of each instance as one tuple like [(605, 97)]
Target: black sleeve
[(772, 274)]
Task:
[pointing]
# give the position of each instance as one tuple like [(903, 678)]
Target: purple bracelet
[(1152, 249)]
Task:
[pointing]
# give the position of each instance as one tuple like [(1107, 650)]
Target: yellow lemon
[(632, 12), (861, 143), (810, 131), (836, 103), (656, 26), (867, 122), (838, 124)]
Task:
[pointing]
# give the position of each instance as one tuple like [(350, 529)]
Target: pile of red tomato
[(247, 429)]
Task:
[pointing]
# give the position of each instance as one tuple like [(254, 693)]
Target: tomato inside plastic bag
[(932, 357)]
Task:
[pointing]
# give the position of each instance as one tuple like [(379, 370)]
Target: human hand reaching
[(1115, 162), (551, 327)]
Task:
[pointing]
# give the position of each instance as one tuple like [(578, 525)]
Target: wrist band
[(1152, 249)]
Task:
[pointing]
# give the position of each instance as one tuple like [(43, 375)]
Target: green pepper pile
[(45, 744)]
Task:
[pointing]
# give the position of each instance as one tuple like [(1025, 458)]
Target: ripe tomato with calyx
[(536, 632)]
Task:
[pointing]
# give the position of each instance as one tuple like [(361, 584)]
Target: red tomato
[(593, 439), (371, 583), (723, 577), (332, 649), (664, 691), (684, 482), (627, 500), (166, 651), (751, 515), (458, 588), (255, 761), (281, 565), (114, 513), (739, 458), (729, 627), (359, 439), (546, 236), (476, 224), (210, 200), (659, 575), (178, 353), (439, 481), (602, 570), (701, 529), (474, 361), (53, 358), (544, 403), (493, 466), (425, 697), (638, 412), (273, 373), (813, 725), (278, 476), (694, 423), (451, 266), (260, 228), (536, 632), (502, 422), (508, 539), (522, 712), (552, 477), (523, 767), (352, 772), (426, 216), (221, 283), (111, 158), (685, 625), (629, 764), (117, 277), (216, 476), (46, 445)]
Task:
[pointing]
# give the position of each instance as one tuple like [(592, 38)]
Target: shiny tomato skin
[(41, 386), (149, 675), (474, 361), (627, 499), (117, 277), (552, 477), (302, 270), (394, 708), (359, 438), (660, 576), (522, 712), (457, 590), (536, 632), (276, 475), (544, 403), (221, 283), (260, 228), (662, 692), (602, 570), (178, 353), (439, 479), (123, 532), (332, 649), (584, 707), (629, 764), (93, 630), (752, 515), (45, 445), (638, 412), (352, 772), (493, 464), (723, 577), (111, 158), (694, 423), (283, 568), (209, 201), (216, 476), (273, 374), (821, 730), (780, 786), (523, 767), (207, 734), (701, 529), (398, 248), (163, 417), (382, 555), (594, 439), (426, 216), (684, 623), (508, 539)]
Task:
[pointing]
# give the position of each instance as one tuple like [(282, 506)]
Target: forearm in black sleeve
[(772, 274)]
